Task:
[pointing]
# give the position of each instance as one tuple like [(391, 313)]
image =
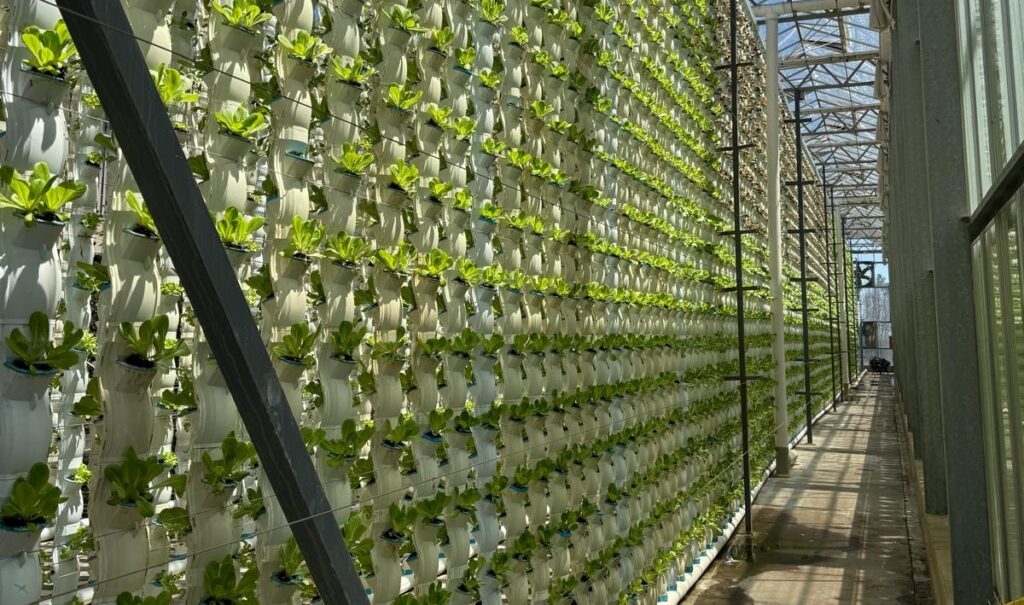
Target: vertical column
[(775, 251), (958, 375), (839, 253), (916, 230)]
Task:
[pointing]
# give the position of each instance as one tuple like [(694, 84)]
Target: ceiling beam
[(840, 109), (836, 86), (798, 62), (827, 145)]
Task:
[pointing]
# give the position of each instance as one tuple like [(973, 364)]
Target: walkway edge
[(685, 582)]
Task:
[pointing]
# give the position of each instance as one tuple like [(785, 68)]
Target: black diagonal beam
[(111, 56)]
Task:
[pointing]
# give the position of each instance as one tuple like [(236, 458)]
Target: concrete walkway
[(842, 528)]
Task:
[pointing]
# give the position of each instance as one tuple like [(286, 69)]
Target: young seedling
[(346, 340), (144, 225), (493, 12), (304, 46), (51, 51), (242, 123), (305, 238), (434, 263), (353, 160), (243, 14), (404, 177), (401, 97), (174, 88), (405, 20), (346, 249)]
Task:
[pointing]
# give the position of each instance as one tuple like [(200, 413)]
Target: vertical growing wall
[(482, 243)]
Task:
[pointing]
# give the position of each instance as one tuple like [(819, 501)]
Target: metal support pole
[(112, 58), (775, 252), (828, 193), (958, 377), (840, 255), (737, 235), (802, 239)]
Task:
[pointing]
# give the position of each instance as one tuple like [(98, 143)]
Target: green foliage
[(353, 160), (304, 45), (37, 354), (92, 276), (181, 401), (236, 230), (462, 128), (346, 339), (82, 474), (244, 14), (442, 39), (434, 263), (32, 501), (354, 71), (395, 260), (129, 482), (404, 176), (465, 57), (88, 406), (293, 564), (402, 97), (144, 224), (253, 507), (51, 51), (493, 11), (298, 344), (346, 249), (439, 189), (494, 146), (37, 196), (305, 237), (520, 37), (230, 468), (242, 123), (401, 432), (149, 344), (401, 520), (174, 88), (463, 199), (405, 20), (175, 520), (354, 531), (221, 586), (540, 110), (439, 115)]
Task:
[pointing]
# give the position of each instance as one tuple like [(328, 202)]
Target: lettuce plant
[(242, 123), (174, 88), (36, 353), (130, 482), (236, 230), (144, 223), (395, 260), (493, 11), (346, 339), (400, 522), (227, 470), (51, 51), (304, 46), (32, 501), (355, 72), (434, 263), (298, 344), (346, 249), (401, 97), (441, 39), (404, 177), (148, 344), (243, 14), (293, 564), (353, 160), (305, 238), (405, 20), (37, 195), (222, 586)]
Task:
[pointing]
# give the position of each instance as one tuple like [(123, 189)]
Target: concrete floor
[(842, 528)]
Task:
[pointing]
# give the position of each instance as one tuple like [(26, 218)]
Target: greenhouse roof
[(833, 57)]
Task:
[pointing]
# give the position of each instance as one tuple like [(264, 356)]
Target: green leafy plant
[(130, 482), (304, 45), (463, 127), (401, 432), (37, 195), (32, 501), (395, 260), (51, 51), (174, 88), (88, 406), (144, 223), (441, 39), (520, 37), (92, 277), (464, 342), (355, 71), (434, 263), (439, 115), (462, 199), (354, 436), (230, 468), (519, 158), (293, 564), (148, 345), (404, 177), (494, 146), (91, 221), (244, 14), (493, 11), (439, 419), (401, 97), (221, 586), (298, 344), (82, 474), (439, 189), (36, 353), (405, 20), (465, 57), (242, 123), (400, 523), (346, 249), (346, 339), (305, 238), (353, 160), (181, 401), (175, 520), (540, 110), (468, 272), (236, 230)]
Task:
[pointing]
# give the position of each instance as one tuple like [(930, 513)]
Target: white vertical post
[(842, 293), (775, 251)]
